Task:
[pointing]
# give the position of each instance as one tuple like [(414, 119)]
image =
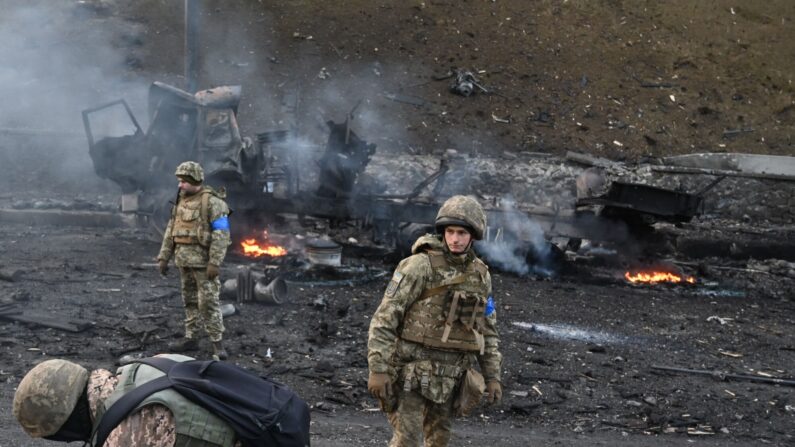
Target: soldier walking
[(198, 236), (436, 320)]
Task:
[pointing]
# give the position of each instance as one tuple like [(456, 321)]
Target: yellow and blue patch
[(393, 284)]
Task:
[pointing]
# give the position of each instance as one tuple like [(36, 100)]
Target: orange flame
[(256, 249), (653, 277)]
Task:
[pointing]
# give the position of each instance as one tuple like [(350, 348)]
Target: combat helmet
[(464, 211), (47, 396), (190, 171)]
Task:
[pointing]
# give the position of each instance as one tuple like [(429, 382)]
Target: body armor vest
[(195, 426), (190, 217), (450, 312)]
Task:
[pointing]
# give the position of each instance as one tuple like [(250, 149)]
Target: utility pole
[(192, 16)]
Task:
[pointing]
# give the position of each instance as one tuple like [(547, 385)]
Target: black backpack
[(263, 413)]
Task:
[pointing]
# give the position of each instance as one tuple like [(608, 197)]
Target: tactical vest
[(190, 220), (450, 312), (195, 426)]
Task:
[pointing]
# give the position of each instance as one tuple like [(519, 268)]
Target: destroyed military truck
[(264, 177), (182, 126), (260, 177)]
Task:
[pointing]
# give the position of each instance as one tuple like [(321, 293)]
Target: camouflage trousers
[(202, 307), (425, 406), (417, 417)]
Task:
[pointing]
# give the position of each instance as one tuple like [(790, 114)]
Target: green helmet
[(191, 171), (464, 211), (47, 395)]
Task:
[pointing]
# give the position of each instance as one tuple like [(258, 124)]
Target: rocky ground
[(620, 79), (580, 350)]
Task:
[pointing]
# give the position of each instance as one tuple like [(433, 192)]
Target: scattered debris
[(500, 120), (727, 376), (10, 274), (720, 320), (252, 285), (324, 252), (570, 333), (71, 325), (465, 83), (734, 132), (228, 309), (64, 217), (413, 100), (740, 163), (735, 355)]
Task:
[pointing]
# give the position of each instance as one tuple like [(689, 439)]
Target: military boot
[(219, 353), (184, 345)]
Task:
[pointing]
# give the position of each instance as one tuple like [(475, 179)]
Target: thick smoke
[(56, 62), (515, 243)]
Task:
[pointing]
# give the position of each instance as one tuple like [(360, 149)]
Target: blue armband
[(490, 306), (222, 223)]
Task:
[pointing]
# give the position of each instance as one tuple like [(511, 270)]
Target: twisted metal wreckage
[(263, 177)]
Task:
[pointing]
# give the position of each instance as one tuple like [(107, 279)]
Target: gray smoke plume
[(56, 62), (515, 243)]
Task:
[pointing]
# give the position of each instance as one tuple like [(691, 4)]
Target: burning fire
[(653, 277), (256, 249)]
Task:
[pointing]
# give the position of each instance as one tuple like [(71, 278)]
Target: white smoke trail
[(515, 243)]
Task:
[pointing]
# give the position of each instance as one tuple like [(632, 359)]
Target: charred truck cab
[(182, 126)]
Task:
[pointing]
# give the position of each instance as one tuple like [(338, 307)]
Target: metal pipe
[(723, 376)]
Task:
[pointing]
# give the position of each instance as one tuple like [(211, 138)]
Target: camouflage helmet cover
[(47, 395), (191, 170), (464, 211)]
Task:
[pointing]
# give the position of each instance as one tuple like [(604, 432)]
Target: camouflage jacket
[(413, 276), (197, 255), (151, 426)]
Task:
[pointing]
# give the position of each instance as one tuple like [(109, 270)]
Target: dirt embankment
[(624, 79)]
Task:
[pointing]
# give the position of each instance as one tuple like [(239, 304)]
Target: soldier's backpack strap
[(451, 315), (480, 267), (205, 206), (442, 289)]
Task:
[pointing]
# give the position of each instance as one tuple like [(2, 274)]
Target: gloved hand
[(493, 392), (212, 271), (162, 264), (379, 385)]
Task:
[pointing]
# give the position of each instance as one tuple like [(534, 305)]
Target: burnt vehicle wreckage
[(264, 178)]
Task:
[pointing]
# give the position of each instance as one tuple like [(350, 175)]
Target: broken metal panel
[(222, 97), (161, 93), (628, 199), (346, 157), (227, 158), (48, 321), (745, 163), (87, 121), (75, 218)]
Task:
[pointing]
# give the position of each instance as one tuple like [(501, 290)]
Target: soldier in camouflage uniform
[(61, 401), (437, 319), (198, 236)]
